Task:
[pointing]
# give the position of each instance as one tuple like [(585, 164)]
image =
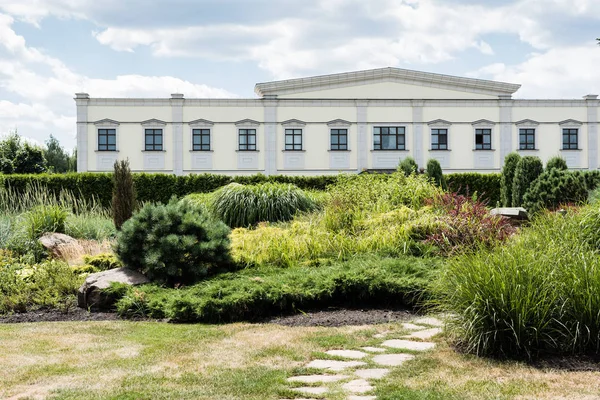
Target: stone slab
[(392, 360), (412, 327), (373, 373), (426, 334), (311, 390), (373, 349), (333, 365), (381, 335), (408, 345), (429, 321), (355, 354), (358, 386), (317, 378)]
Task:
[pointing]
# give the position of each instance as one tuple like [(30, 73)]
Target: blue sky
[(50, 49)]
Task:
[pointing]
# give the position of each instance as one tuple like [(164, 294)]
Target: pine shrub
[(246, 205), (408, 166), (434, 172), (506, 182), (557, 163), (553, 188), (123, 200), (173, 243), (527, 170)]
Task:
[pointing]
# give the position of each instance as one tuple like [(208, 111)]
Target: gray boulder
[(90, 293), (60, 245), (513, 213)]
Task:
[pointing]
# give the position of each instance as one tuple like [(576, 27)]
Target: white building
[(343, 122)]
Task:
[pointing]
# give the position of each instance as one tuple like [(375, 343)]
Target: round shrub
[(554, 188), (408, 166), (434, 172), (557, 163), (246, 205), (173, 243), (527, 170), (508, 175)]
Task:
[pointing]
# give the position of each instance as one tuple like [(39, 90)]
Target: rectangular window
[(570, 139), (526, 139), (483, 139), (247, 138), (389, 138), (107, 140), (339, 139), (154, 139), (293, 139), (201, 139), (439, 139)]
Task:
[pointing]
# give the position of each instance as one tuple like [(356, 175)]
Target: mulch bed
[(53, 315), (342, 317)]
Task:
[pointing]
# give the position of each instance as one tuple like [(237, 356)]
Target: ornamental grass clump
[(246, 205), (174, 244)]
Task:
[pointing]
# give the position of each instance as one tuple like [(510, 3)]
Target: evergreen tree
[(528, 169), (506, 181), (124, 198), (435, 173), (408, 166), (557, 163)]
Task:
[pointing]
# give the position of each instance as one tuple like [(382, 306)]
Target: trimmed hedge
[(487, 186), (152, 187)]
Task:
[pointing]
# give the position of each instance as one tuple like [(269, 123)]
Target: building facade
[(347, 122)]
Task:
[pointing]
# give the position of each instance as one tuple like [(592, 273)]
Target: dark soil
[(342, 317), (568, 363), (52, 315)]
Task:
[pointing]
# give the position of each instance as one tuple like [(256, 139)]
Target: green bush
[(553, 188), (527, 170), (408, 166), (103, 262), (173, 243), (486, 186), (252, 294), (42, 219), (537, 294), (246, 205), (557, 163), (434, 172), (508, 175), (123, 199)]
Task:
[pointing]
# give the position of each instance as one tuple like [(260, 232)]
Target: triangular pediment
[(339, 122), (570, 122), (153, 121), (386, 83), (107, 122), (528, 122), (294, 122), (201, 122), (482, 122), (439, 122), (248, 121)]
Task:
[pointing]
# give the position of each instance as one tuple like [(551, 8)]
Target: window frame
[(527, 134), (399, 146), (438, 134), (154, 135), (106, 128), (204, 131), (483, 144), (294, 134), (247, 135), (338, 134), (570, 134)]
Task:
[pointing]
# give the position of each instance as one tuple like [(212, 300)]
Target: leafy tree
[(557, 163), (123, 200), (434, 172), (506, 181), (408, 166), (56, 156), (528, 169), (20, 157)]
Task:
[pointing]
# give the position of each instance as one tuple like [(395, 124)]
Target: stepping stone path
[(359, 378)]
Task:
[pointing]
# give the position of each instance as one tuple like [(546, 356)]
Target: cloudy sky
[(50, 49)]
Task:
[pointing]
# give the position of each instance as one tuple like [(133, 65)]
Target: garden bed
[(343, 317)]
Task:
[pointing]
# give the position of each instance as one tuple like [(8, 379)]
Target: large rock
[(60, 245), (90, 293)]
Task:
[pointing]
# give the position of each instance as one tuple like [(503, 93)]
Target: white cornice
[(570, 122), (339, 122), (439, 122), (482, 122), (385, 75)]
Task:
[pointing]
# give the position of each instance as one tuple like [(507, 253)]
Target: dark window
[(154, 139), (107, 140), (247, 139), (339, 139), (483, 139), (526, 139), (388, 138), (570, 139), (439, 139), (293, 139), (201, 139)]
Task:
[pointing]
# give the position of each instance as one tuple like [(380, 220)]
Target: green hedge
[(487, 186), (153, 187)]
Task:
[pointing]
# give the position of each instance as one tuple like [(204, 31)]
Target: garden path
[(363, 367)]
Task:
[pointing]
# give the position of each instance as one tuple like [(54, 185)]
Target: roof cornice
[(386, 74)]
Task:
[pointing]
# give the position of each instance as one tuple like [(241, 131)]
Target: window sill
[(440, 149), (339, 151), (571, 149), (384, 150), (293, 151), (154, 151), (528, 149), (106, 151), (247, 151), (484, 149), (201, 151)]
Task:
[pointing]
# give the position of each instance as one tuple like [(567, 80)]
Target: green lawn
[(149, 360)]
